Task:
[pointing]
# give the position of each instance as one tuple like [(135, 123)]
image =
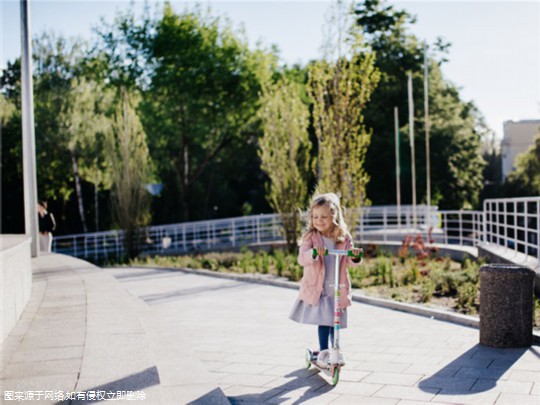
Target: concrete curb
[(433, 313)]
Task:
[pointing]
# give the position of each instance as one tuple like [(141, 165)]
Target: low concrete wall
[(15, 280)]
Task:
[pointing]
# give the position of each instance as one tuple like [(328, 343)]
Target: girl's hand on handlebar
[(356, 252), (321, 251)]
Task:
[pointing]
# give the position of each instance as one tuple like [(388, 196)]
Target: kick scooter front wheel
[(335, 375)]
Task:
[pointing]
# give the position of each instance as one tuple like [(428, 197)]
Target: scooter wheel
[(335, 376), (308, 358)]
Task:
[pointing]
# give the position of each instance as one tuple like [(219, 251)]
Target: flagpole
[(411, 140), (427, 128), (28, 136), (398, 174)]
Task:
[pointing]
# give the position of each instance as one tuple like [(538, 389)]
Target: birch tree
[(284, 150), (131, 169), (84, 123), (340, 87)]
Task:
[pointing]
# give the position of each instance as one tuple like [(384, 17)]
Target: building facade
[(518, 138)]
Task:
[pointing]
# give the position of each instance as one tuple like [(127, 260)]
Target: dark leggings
[(326, 334)]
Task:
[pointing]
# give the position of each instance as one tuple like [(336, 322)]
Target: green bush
[(467, 298), (411, 276), (391, 273), (263, 263), (294, 270), (358, 275), (398, 295), (246, 263), (426, 290), (381, 270), (279, 256), (447, 281)]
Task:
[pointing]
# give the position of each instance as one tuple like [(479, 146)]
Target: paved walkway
[(182, 338)]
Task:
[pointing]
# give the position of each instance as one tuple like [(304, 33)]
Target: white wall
[(15, 280)]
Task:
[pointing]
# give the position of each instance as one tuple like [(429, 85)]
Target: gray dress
[(323, 313)]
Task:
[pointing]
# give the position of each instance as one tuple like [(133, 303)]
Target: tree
[(457, 162), (70, 123), (525, 180), (121, 56), (340, 91), (69, 115), (284, 150), (11, 165), (199, 84), (492, 173), (456, 126), (84, 122), (200, 112), (56, 60), (131, 169), (7, 110)]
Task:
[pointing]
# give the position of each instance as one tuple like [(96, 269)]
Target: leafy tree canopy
[(456, 126)]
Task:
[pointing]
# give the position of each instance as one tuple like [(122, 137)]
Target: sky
[(494, 59)]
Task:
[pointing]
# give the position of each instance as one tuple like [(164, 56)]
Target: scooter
[(330, 361)]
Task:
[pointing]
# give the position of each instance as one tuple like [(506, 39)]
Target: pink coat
[(311, 285)]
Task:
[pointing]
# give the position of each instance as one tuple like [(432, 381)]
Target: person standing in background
[(47, 225)]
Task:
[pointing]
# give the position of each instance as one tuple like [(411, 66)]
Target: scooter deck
[(331, 371)]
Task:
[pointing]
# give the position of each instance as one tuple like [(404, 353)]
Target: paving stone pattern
[(186, 338), (242, 335)]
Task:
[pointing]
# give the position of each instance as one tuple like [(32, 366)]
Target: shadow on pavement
[(214, 397), (535, 350), (476, 370), (302, 379), (135, 382), (153, 299), (147, 274), (39, 274)]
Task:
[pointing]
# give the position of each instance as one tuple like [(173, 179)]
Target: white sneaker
[(323, 359)]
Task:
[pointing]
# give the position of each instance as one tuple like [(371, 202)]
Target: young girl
[(315, 304)]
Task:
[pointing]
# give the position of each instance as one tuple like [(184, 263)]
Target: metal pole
[(411, 139), (427, 128), (398, 174), (28, 137), (337, 311)]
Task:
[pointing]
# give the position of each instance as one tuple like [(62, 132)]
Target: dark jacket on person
[(47, 222)]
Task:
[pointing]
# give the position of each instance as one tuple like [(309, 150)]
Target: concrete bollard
[(506, 305)]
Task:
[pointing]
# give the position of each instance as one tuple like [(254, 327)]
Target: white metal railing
[(95, 246), (514, 224), (460, 228), (387, 223), (227, 233), (510, 223)]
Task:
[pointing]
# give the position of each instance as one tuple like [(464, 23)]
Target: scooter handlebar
[(338, 252)]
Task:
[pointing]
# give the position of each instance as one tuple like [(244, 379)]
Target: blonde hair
[(331, 201)]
